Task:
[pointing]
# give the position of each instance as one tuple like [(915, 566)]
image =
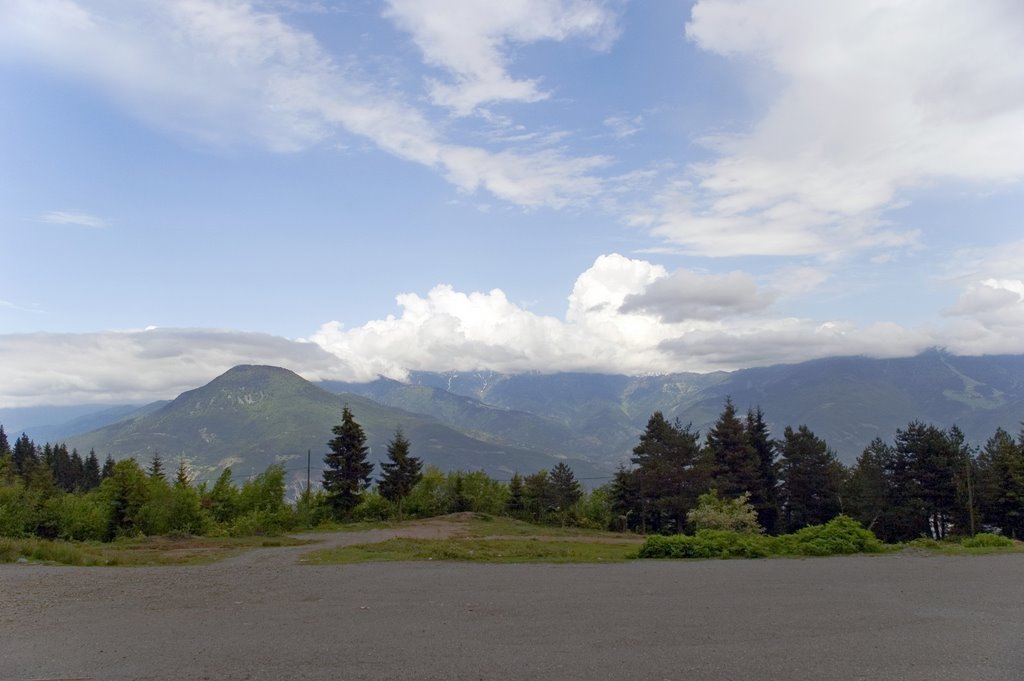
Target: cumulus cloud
[(140, 366), (687, 295), (623, 315), (228, 73), (471, 41), (62, 217), (873, 99)]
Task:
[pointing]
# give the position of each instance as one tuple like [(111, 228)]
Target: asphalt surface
[(264, 615)]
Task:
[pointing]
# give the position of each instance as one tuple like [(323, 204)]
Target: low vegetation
[(738, 493)]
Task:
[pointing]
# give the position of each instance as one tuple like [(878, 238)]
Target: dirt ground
[(265, 615)]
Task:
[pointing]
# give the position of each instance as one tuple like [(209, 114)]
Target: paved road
[(264, 616)]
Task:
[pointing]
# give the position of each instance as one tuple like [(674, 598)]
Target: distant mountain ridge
[(466, 417), (253, 416)]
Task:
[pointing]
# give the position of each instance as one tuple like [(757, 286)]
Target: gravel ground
[(264, 615)]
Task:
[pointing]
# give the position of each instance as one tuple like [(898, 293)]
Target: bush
[(80, 517), (986, 540), (841, 535), (260, 522), (18, 517), (714, 513), (372, 507), (707, 544)]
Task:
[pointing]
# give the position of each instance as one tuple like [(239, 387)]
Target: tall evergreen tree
[(668, 478), (5, 445), (346, 470), (108, 468), (626, 499), (156, 468), (565, 490), (932, 463), (735, 468), (764, 499), (25, 457), (1001, 483), (811, 480), (401, 473), (537, 495), (90, 472), (514, 505)]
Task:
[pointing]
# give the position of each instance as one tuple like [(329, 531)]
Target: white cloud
[(471, 41), (623, 316), (875, 98), (140, 366), (226, 73), (624, 126), (686, 295), (60, 217)]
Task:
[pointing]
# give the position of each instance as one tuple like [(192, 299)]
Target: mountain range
[(252, 416)]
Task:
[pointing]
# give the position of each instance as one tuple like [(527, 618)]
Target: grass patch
[(981, 544), (476, 550), (483, 525), (130, 552)]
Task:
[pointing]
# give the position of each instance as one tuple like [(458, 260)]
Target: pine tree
[(765, 499), (514, 505), (565, 490), (156, 468), (108, 468), (5, 445), (537, 495), (1001, 483), (25, 457), (668, 477), (182, 477), (811, 479), (401, 473), (735, 467), (90, 472), (867, 490), (346, 470)]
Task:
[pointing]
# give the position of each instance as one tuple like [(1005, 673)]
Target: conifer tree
[(565, 489), (1001, 483), (25, 457), (401, 473), (668, 476), (811, 479), (514, 503), (735, 467), (156, 468), (537, 495), (346, 470), (90, 472), (765, 499), (108, 468), (5, 445)]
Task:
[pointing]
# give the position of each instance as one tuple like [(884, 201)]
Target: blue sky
[(353, 189)]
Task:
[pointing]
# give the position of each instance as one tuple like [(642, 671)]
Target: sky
[(353, 189)]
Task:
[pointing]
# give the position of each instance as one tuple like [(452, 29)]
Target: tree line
[(928, 482)]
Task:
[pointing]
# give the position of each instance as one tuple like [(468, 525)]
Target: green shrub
[(986, 540), (707, 544), (372, 507), (18, 517), (841, 535), (715, 513), (261, 522), (80, 517)]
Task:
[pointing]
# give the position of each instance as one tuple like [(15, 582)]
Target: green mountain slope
[(848, 401), (253, 416)]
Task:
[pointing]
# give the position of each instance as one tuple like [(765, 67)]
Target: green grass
[(130, 552), (483, 525), (979, 545), (476, 550)]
